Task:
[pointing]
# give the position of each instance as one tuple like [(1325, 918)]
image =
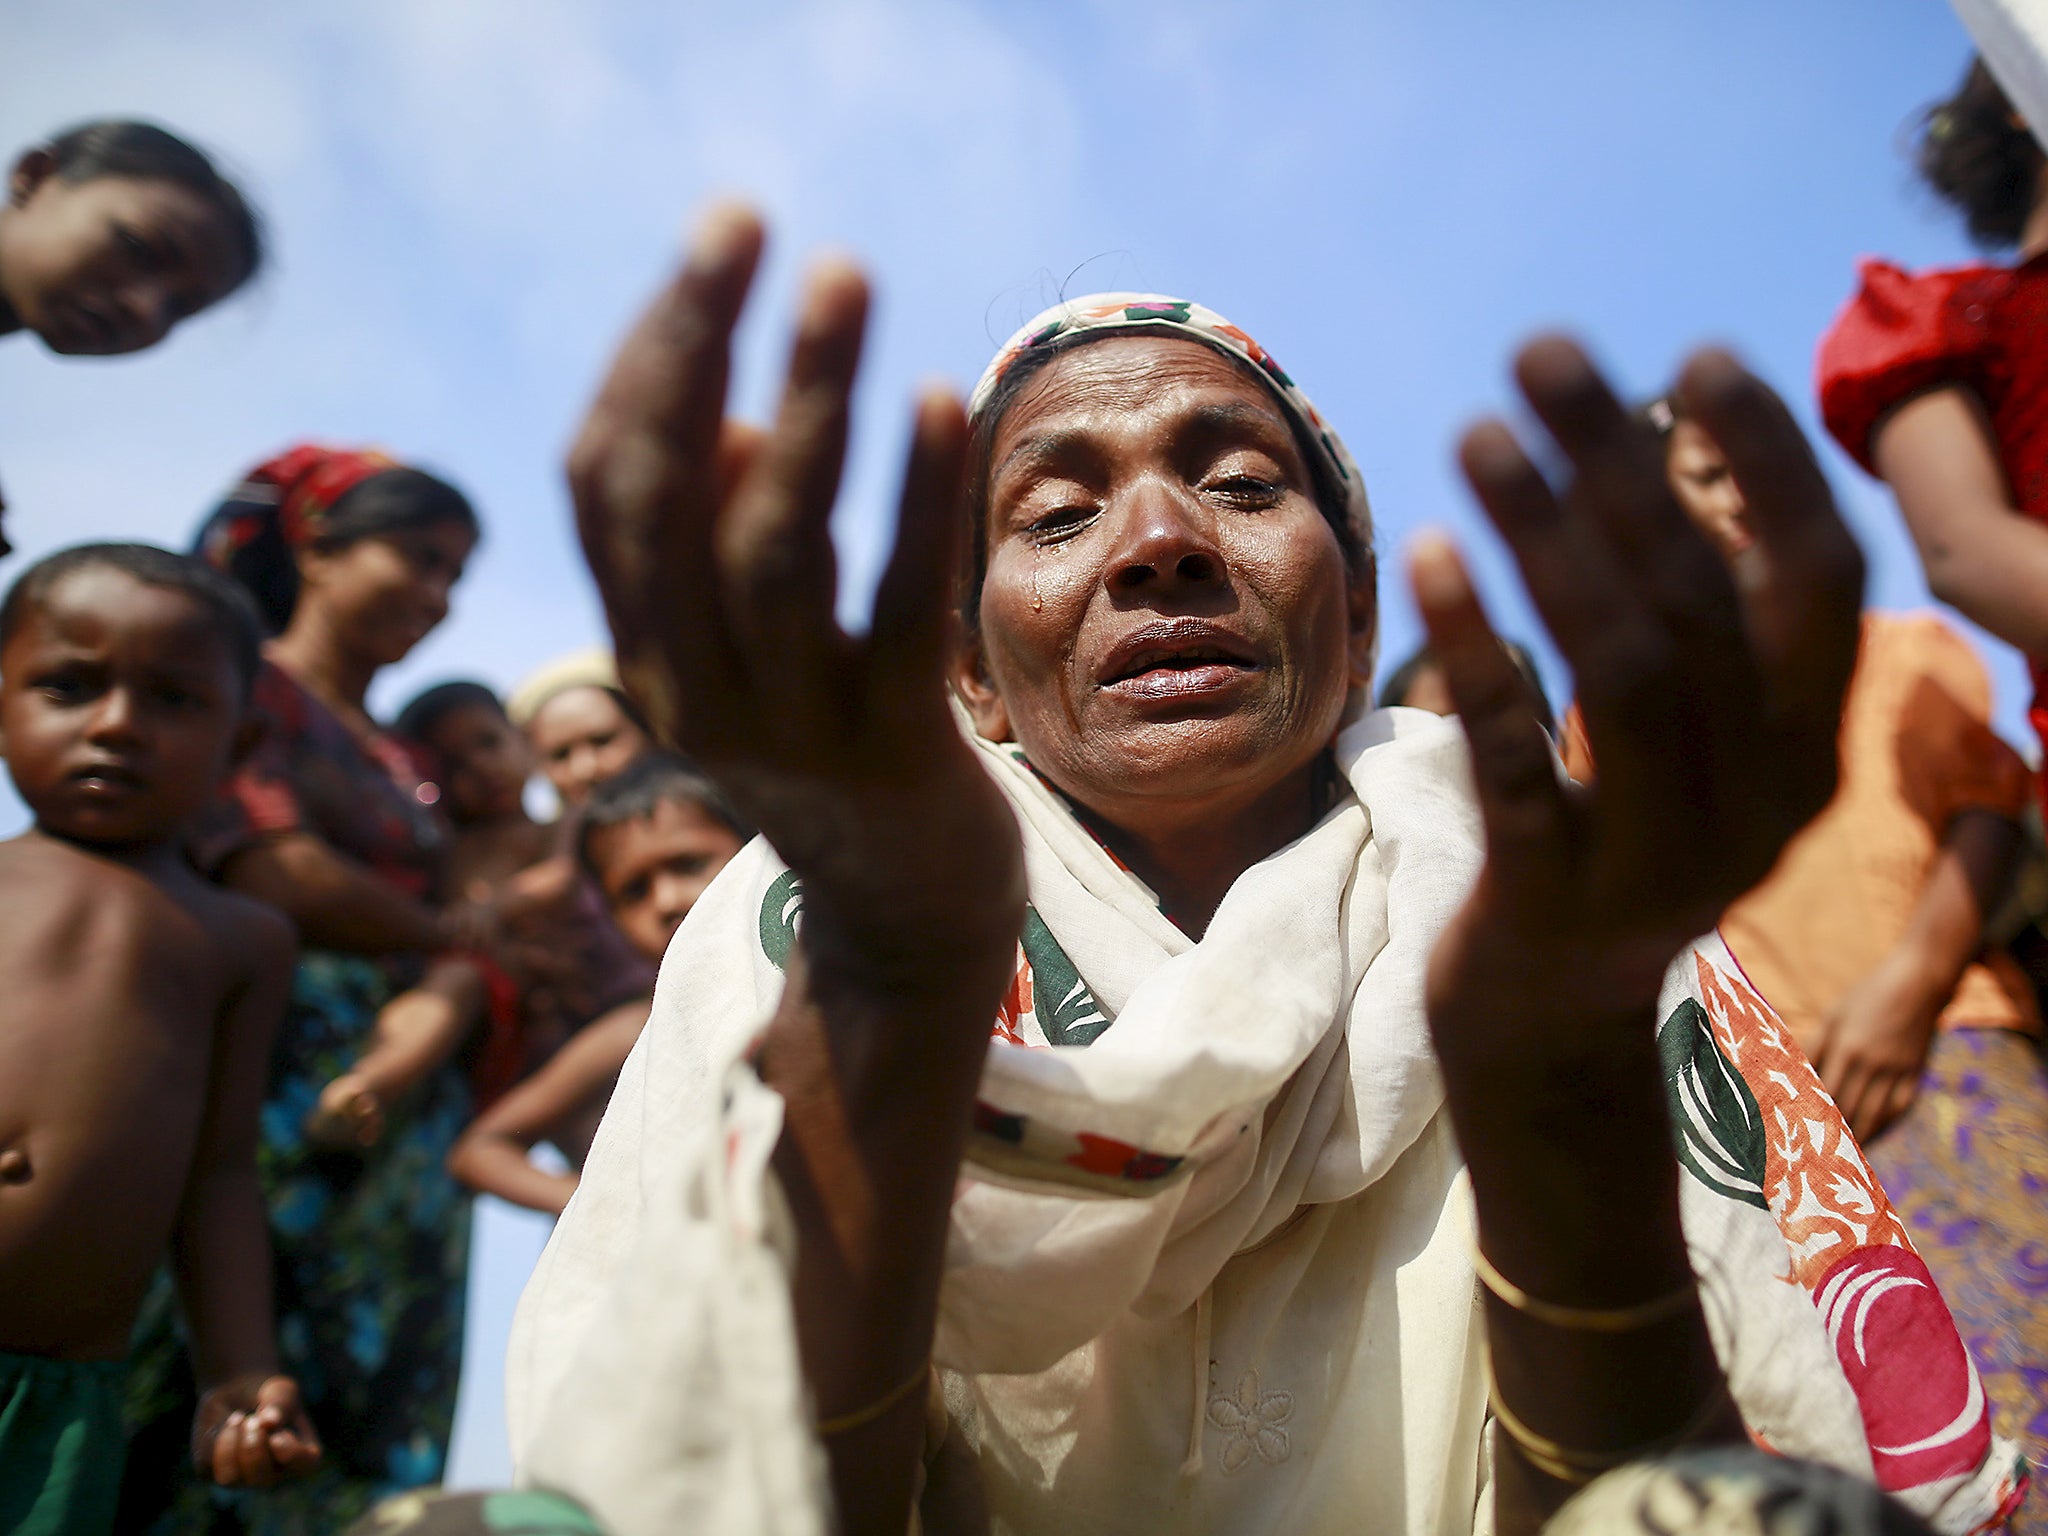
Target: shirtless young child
[(652, 838), (137, 1005)]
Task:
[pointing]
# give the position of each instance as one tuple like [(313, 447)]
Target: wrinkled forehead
[(1066, 325), (1135, 392)]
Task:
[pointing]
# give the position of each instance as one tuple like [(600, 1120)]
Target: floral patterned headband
[(292, 492), (1152, 311)]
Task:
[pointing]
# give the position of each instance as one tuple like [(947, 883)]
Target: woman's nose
[(1166, 538)]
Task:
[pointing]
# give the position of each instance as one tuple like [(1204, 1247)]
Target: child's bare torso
[(113, 985)]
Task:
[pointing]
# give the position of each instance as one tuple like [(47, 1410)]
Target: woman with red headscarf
[(351, 557)]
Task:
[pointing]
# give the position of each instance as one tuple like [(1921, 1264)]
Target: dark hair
[(391, 502), (658, 778), (1980, 158), (1330, 497), (429, 708), (123, 147), (1401, 681), (233, 615)]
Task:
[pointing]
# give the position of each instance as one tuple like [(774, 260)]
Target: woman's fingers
[(774, 543), (908, 636), (1852, 1100), (1580, 589), (1804, 597), (1621, 653), (1618, 479), (222, 1448), (1905, 1089), (1520, 796), (643, 472)]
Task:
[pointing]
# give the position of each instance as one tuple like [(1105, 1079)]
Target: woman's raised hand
[(1712, 710), (711, 546)]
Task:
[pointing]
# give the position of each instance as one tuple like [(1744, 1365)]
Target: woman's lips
[(1194, 680)]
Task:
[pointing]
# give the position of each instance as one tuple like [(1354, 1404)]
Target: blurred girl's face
[(1705, 487), (378, 597), (582, 737), (110, 264)]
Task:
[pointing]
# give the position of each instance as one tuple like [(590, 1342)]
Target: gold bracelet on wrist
[(1578, 1467), (881, 1405), (1583, 1319)]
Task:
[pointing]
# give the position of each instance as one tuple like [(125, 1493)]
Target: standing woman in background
[(112, 233), (350, 556), (1937, 382)]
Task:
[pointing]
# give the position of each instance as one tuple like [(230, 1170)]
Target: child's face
[(653, 869), (582, 738), (120, 708), (1705, 487), (112, 263), (484, 763)]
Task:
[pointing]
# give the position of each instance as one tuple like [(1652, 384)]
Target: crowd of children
[(279, 983), (268, 960)]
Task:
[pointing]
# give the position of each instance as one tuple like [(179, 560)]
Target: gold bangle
[(1584, 1319), (1581, 1467), (880, 1406)]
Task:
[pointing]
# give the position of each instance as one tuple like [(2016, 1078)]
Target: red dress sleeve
[(1900, 336), (259, 799)]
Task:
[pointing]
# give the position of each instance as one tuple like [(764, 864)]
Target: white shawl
[(1209, 1273)]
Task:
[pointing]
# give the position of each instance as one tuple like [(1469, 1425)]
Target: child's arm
[(1983, 555), (491, 1156), (250, 1427), (415, 1032)]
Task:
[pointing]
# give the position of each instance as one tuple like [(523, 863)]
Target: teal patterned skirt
[(371, 1253)]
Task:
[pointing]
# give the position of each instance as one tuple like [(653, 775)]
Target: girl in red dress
[(1938, 382)]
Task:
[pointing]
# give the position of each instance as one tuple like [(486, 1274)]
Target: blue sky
[(468, 198)]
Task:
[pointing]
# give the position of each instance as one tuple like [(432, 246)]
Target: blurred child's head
[(125, 673), (114, 232), (583, 736), (1701, 479), (652, 837), (1419, 683), (1980, 157), (481, 759)]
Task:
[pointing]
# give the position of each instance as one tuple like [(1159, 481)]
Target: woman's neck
[(1191, 855), (314, 655)]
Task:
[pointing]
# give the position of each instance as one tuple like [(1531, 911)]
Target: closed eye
[(1057, 525), (137, 249), (1247, 491)]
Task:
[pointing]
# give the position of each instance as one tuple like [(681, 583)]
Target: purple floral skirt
[(1967, 1167)]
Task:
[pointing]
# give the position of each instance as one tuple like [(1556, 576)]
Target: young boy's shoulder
[(252, 938), (249, 931)]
